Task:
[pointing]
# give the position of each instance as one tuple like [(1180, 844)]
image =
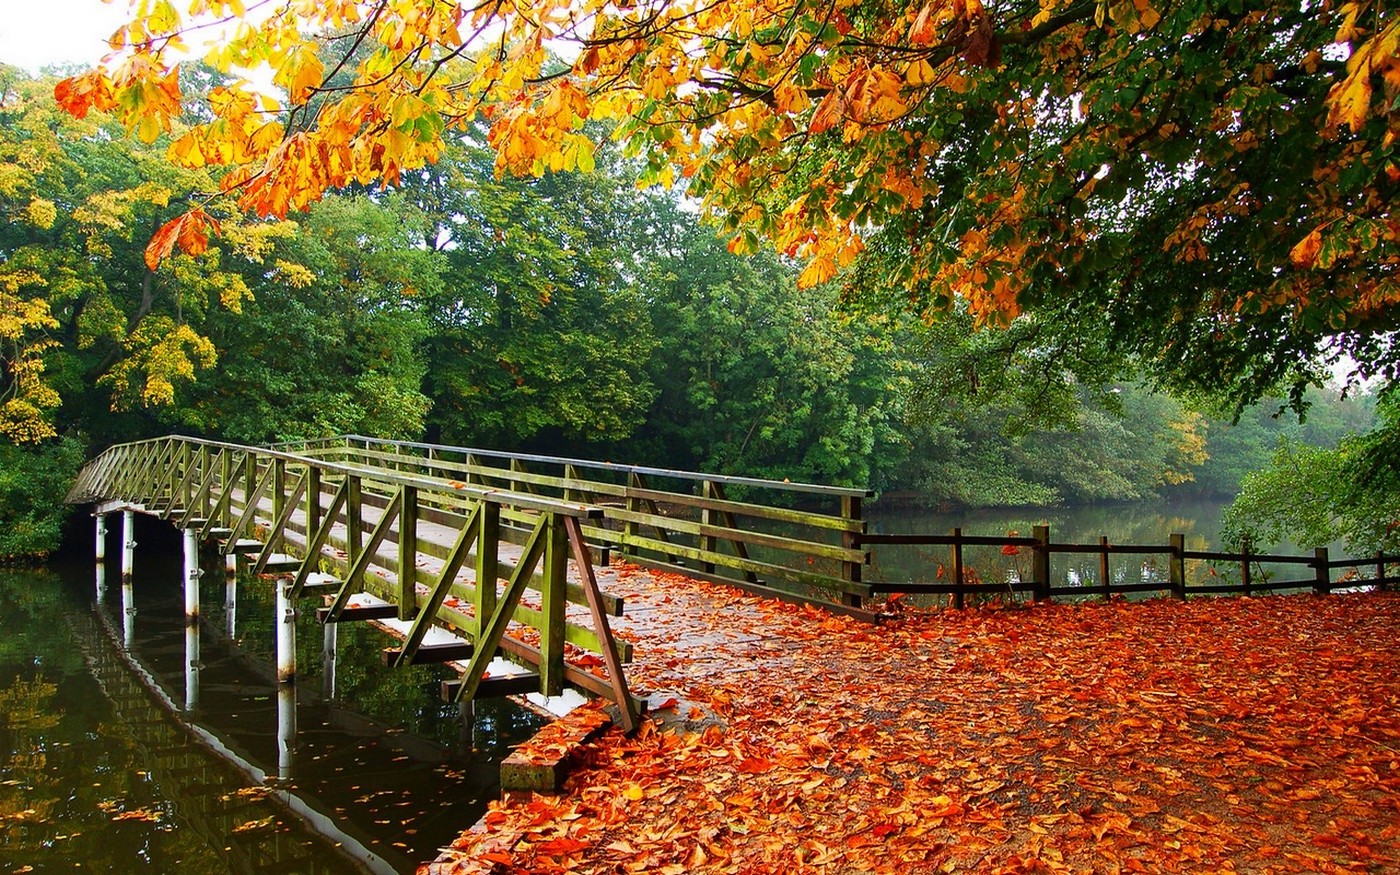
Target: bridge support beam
[(286, 619), (330, 642), (101, 544), (192, 575)]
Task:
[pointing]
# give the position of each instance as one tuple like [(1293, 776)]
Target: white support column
[(128, 544), (192, 575), (101, 544), (329, 646), (101, 581), (286, 634), (286, 619), (231, 606)]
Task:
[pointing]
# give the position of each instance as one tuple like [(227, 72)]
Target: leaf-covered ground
[(1219, 735)]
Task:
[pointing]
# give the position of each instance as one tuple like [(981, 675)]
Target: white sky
[(37, 33)]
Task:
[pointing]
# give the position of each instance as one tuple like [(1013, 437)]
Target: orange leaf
[(1305, 253)]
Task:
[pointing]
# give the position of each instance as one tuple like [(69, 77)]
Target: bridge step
[(320, 585), (281, 562), (194, 522), (220, 533), (244, 545), (495, 688), (432, 653), (366, 612)]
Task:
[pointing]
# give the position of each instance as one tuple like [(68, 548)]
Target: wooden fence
[(800, 541), (958, 583)]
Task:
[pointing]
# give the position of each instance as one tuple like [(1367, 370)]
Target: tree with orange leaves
[(1207, 183)]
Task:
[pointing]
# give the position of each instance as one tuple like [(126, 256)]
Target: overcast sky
[(36, 33)]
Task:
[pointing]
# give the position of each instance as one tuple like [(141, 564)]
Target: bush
[(33, 482)]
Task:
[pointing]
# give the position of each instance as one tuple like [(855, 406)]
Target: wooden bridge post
[(354, 510), (851, 570), (1176, 565), (488, 542), (408, 553), (1323, 584), (632, 528), (553, 600), (1245, 581), (708, 517), (1040, 563), (225, 487), (206, 471), (959, 597), (1105, 582), (279, 503), (1381, 583), (313, 499)]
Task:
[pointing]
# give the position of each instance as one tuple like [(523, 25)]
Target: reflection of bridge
[(217, 790)]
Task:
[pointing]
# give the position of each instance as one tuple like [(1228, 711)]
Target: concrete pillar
[(101, 544), (192, 575), (101, 581), (128, 544), (286, 618)]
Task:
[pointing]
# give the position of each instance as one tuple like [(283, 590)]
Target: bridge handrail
[(696, 476), (384, 475)]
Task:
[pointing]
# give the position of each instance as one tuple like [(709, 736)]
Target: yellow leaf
[(1305, 253)]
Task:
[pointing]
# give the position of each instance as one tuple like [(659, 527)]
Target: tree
[(1209, 183)]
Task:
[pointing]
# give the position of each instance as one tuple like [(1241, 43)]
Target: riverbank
[(1214, 735)]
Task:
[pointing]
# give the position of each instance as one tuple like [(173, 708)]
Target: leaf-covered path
[(1219, 735)]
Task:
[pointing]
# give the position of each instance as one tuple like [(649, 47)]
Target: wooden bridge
[(500, 549)]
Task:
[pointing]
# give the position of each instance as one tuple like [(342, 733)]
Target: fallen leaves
[(1216, 735)]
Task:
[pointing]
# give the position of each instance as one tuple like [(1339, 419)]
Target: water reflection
[(99, 771)]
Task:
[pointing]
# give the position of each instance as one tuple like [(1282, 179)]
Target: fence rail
[(956, 581)]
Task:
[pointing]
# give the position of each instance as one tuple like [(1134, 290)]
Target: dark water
[(118, 759)]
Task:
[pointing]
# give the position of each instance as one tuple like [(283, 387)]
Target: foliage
[(33, 480), (1315, 495), (1134, 165), (88, 325), (755, 377), (329, 343), (539, 331)]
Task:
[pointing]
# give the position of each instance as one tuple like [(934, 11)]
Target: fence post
[(1245, 580), (1381, 584), (552, 603), (313, 499), (408, 553), (1104, 580), (958, 596), (708, 517), (354, 511), (1040, 563), (487, 569), (1176, 565), (851, 509), (1323, 586)]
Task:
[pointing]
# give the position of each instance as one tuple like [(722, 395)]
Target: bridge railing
[(302, 514), (801, 541)]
